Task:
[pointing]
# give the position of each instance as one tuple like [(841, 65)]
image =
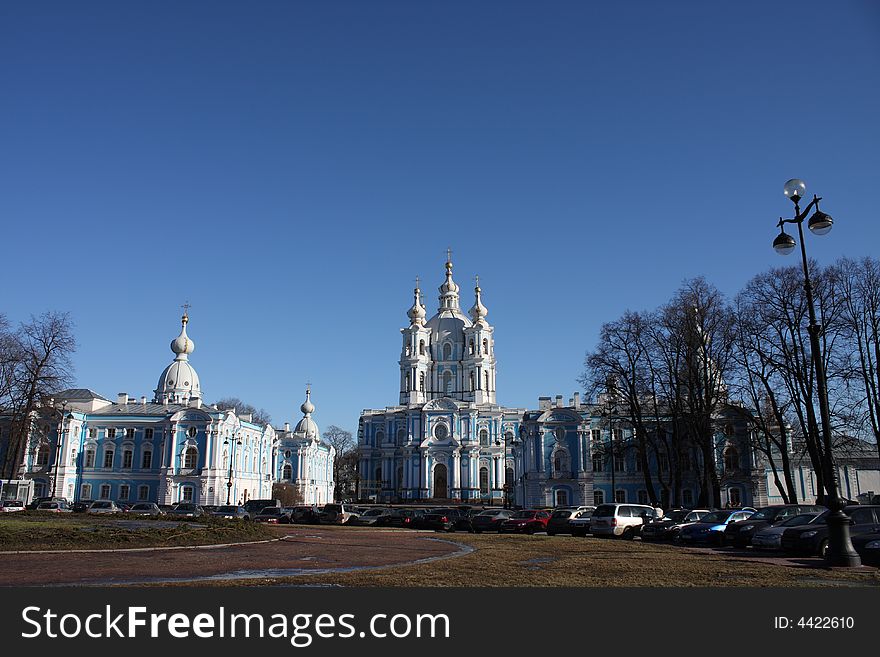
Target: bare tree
[(258, 415), (343, 442), (39, 366), (860, 288)]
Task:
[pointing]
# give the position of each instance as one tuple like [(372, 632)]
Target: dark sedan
[(490, 520), (868, 547), (560, 520), (186, 510), (710, 528), (408, 518), (274, 515), (231, 513), (667, 528), (813, 540), (739, 534), (447, 520), (305, 515)]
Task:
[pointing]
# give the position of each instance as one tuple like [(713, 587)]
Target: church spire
[(478, 312), (417, 313), (449, 289), (182, 345)]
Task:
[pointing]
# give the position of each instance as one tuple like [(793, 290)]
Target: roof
[(150, 408), (79, 394)]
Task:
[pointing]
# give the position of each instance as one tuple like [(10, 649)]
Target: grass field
[(37, 531), (590, 562)]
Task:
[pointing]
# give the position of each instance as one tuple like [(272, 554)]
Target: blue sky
[(290, 167)]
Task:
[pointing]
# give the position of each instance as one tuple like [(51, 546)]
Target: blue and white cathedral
[(171, 448)]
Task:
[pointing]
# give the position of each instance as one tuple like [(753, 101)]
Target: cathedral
[(171, 448), (448, 440)]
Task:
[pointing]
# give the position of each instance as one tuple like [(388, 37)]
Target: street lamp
[(840, 549), (231, 462)]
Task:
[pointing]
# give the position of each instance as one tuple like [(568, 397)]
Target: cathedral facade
[(171, 448)]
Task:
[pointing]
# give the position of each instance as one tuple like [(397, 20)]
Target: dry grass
[(564, 561)]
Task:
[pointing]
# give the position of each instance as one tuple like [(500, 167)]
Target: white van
[(623, 520)]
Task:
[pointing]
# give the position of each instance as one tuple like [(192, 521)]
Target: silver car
[(146, 509), (103, 507)]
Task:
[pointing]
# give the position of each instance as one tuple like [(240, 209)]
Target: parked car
[(740, 533), (560, 520), (868, 547), (146, 509), (400, 518), (337, 514), (490, 520), (305, 515), (813, 541), (11, 506), (274, 515), (101, 507), (369, 518), (81, 507), (37, 501), (528, 521), (186, 510), (710, 528), (254, 507), (581, 523), (668, 527), (622, 520), (770, 537), (447, 520), (231, 512), (55, 507)]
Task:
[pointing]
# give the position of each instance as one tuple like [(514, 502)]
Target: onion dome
[(307, 427), (449, 290), (179, 382), (417, 313), (478, 312)]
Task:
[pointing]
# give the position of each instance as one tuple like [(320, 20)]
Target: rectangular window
[(90, 458), (619, 464), (85, 492), (147, 460), (143, 493), (108, 458), (598, 463), (129, 433), (93, 433), (187, 494), (148, 434), (596, 435), (111, 433), (126, 458), (643, 497), (663, 462), (123, 492), (105, 491), (620, 496)]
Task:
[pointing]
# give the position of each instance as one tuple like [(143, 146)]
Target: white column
[(456, 472)]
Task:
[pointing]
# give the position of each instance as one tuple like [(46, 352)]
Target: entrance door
[(440, 482)]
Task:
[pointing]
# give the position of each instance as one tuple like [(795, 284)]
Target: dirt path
[(302, 549)]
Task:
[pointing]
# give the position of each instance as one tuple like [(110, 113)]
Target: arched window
[(421, 347), (471, 347), (561, 463), (190, 457), (447, 351), (73, 457), (380, 437), (484, 437), (225, 460), (399, 480), (287, 472), (487, 381), (731, 459), (406, 385), (486, 345), (407, 349), (191, 432), (421, 382), (508, 476), (447, 381), (484, 481), (401, 436), (90, 457), (378, 478), (472, 381), (108, 458), (598, 496), (127, 457), (42, 456)]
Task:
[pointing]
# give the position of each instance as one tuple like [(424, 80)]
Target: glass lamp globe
[(795, 189), (784, 243), (820, 223)]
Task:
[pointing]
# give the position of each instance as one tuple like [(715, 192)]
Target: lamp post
[(840, 549), (231, 462)]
